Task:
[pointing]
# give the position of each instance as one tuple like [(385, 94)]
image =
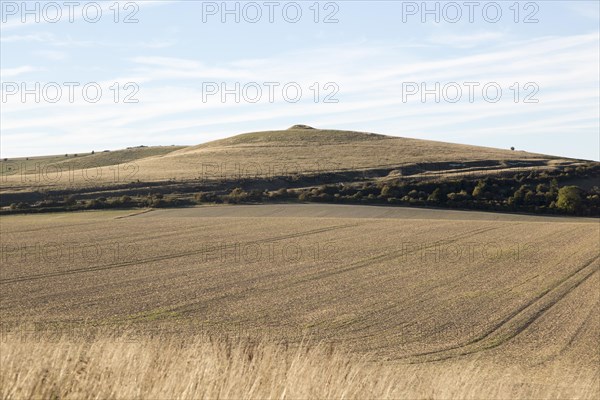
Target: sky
[(93, 75)]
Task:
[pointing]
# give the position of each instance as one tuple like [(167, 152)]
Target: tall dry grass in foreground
[(166, 367)]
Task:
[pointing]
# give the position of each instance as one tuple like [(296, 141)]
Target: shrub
[(70, 201), (237, 195), (255, 195), (280, 193), (158, 203), (541, 188), (304, 196), (437, 196), (480, 190), (529, 197), (460, 196), (569, 199), (207, 197), (385, 190)]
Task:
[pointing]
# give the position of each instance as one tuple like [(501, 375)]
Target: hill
[(79, 161), (299, 160), (296, 150), (304, 151)]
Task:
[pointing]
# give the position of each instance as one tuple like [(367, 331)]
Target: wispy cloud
[(43, 37), (585, 9), (13, 72), (18, 21), (51, 55), (68, 41), (467, 40)]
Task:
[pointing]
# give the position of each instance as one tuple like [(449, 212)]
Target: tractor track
[(387, 256), (520, 319), (161, 257)]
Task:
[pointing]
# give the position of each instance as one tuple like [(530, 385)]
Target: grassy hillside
[(302, 164), (293, 136), (295, 151), (306, 151), (71, 162)]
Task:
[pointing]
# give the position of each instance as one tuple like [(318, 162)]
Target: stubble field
[(408, 290)]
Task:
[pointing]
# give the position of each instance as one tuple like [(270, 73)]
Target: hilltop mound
[(296, 137), (300, 127)]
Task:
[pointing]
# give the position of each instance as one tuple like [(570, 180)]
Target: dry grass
[(300, 151), (167, 367), (70, 162), (263, 154)]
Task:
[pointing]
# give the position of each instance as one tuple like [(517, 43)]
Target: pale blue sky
[(371, 54)]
